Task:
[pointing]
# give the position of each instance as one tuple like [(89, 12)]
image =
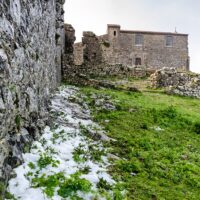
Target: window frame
[(138, 61), (167, 42), (139, 39)]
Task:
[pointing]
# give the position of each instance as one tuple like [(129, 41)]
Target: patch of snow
[(60, 143), (157, 128)]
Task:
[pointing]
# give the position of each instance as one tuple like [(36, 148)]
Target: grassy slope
[(156, 164)]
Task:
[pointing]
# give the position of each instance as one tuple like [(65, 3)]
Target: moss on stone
[(18, 121)]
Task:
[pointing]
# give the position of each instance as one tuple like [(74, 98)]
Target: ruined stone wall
[(31, 44), (89, 61), (177, 82), (92, 52), (119, 47), (68, 59), (78, 53)]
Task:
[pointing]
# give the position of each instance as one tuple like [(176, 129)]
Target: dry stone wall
[(31, 45), (176, 82)]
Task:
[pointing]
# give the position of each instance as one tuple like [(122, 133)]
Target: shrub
[(196, 127), (73, 185)]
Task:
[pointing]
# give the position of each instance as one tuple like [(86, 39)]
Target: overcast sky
[(151, 15)]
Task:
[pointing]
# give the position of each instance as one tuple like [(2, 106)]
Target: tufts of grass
[(18, 121), (85, 170), (66, 187), (49, 183), (46, 160), (93, 153), (31, 165), (154, 164), (72, 185), (103, 184), (196, 127), (59, 136), (8, 195), (2, 190), (79, 154)]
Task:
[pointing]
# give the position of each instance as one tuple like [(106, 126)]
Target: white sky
[(150, 15)]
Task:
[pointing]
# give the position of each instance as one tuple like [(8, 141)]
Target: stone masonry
[(68, 59), (31, 47), (89, 61), (147, 49)]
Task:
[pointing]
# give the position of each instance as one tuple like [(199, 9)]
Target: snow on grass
[(64, 163)]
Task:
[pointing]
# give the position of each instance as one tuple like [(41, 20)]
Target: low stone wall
[(73, 72), (176, 82)]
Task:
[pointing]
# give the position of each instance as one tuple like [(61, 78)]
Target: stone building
[(140, 48)]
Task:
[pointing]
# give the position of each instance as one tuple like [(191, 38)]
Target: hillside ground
[(156, 141)]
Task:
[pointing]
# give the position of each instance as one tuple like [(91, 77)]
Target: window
[(115, 33), (169, 41), (139, 39), (138, 61)]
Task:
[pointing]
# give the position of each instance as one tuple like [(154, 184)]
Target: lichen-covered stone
[(68, 59), (31, 45), (177, 82)]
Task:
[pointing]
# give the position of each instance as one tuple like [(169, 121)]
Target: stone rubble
[(175, 82)]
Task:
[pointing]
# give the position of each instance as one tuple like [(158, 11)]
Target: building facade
[(151, 49), (143, 48)]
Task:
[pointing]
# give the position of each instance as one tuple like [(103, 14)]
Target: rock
[(2, 106), (113, 157), (31, 48), (180, 83)]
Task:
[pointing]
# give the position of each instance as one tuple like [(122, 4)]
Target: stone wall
[(68, 58), (78, 53), (92, 52), (177, 82), (31, 44)]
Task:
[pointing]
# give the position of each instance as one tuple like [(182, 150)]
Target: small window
[(115, 33), (138, 39), (169, 41), (138, 61)]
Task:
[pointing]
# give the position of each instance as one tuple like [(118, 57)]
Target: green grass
[(18, 121), (92, 153), (154, 164), (46, 160), (67, 187), (2, 189)]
